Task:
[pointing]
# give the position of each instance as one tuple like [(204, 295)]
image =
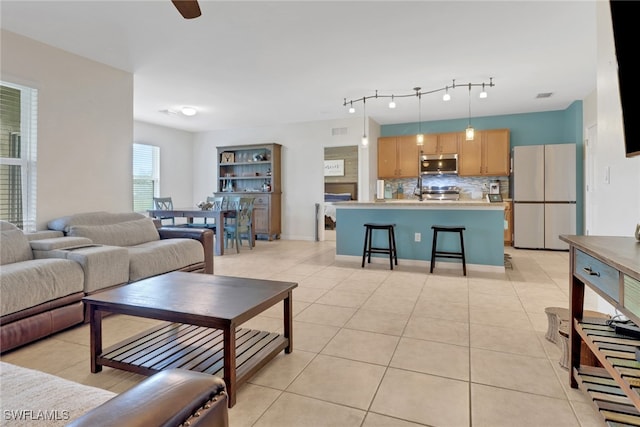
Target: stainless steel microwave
[(438, 164)]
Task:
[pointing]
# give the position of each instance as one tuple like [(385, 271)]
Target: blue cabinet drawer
[(599, 274)]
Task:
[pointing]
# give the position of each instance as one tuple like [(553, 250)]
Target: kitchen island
[(483, 237)]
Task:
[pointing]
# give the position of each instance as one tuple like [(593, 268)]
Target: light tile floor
[(374, 347)]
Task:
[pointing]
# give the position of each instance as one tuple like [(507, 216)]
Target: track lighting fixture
[(417, 92)]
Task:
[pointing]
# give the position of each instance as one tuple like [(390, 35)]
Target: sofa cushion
[(15, 245), (25, 389), (92, 218), (29, 283), (129, 233), (153, 258)]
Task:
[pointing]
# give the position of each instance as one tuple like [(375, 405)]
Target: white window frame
[(29, 152)]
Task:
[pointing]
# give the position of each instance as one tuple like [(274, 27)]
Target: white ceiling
[(263, 63)]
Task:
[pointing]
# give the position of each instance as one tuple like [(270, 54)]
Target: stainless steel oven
[(438, 164)]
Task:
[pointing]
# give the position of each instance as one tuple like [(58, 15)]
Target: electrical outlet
[(418, 237)]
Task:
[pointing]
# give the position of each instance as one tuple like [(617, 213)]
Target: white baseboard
[(480, 268)]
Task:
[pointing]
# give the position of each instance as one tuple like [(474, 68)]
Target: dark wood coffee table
[(204, 312)]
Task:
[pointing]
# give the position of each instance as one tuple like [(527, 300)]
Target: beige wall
[(85, 127), (302, 164)]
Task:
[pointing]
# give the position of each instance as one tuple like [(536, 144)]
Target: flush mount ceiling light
[(189, 111), (419, 93)]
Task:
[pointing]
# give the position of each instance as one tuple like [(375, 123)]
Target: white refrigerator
[(544, 195)]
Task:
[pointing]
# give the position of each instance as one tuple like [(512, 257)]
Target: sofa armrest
[(168, 398), (59, 243), (204, 236), (43, 234)]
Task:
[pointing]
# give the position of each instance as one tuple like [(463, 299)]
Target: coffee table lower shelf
[(177, 345)]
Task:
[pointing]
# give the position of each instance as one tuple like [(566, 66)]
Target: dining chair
[(165, 204), (232, 204), (242, 225)]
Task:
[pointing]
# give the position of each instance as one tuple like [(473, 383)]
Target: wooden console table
[(610, 266)]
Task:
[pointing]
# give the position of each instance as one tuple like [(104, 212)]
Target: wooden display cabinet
[(254, 171)]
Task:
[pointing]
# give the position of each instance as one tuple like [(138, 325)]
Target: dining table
[(191, 213)]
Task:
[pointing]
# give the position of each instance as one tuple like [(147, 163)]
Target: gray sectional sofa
[(44, 275)]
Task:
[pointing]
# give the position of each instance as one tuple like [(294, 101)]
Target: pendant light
[(446, 96), (392, 103), (420, 136), (469, 132), (365, 140)]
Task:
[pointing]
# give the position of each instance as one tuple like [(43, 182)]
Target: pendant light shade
[(469, 132)]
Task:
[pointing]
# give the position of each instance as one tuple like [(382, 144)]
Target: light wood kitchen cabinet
[(487, 155), (254, 171), (441, 143), (508, 217), (398, 157)]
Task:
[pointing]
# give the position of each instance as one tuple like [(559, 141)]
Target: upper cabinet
[(488, 154), (398, 157), (441, 143)]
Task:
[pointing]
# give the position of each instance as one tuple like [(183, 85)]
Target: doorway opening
[(340, 183)]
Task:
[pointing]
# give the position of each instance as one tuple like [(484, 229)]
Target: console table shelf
[(610, 266), (612, 403)]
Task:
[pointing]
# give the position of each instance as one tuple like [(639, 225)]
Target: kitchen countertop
[(425, 204)]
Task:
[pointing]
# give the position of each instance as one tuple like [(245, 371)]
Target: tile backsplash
[(471, 187)]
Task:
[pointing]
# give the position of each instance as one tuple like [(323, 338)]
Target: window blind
[(18, 124), (146, 160)]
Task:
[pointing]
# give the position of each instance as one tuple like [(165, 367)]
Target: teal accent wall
[(548, 127)]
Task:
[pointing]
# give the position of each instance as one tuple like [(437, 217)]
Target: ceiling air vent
[(338, 131), (544, 95)]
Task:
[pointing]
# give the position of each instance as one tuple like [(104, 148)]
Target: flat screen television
[(624, 17)]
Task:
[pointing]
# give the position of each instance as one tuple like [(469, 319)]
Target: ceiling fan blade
[(189, 9)]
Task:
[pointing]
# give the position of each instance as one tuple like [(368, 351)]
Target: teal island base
[(483, 237)]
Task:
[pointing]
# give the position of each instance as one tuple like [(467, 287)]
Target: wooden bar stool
[(370, 249), (447, 254)]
